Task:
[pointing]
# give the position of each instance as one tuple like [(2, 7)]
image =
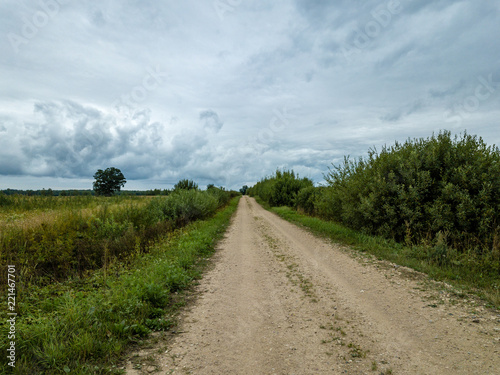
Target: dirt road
[(281, 301)]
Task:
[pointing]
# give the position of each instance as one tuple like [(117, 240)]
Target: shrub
[(5, 200), (220, 194), (280, 189), (306, 199), (414, 191), (184, 206)]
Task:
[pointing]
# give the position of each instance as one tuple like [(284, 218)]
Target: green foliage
[(184, 206), (223, 197), (109, 181), (186, 185), (306, 199), (244, 189), (47, 193), (281, 189), (83, 328), (440, 196), (5, 200), (72, 243), (415, 191)]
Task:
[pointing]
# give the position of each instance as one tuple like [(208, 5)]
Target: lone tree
[(109, 181)]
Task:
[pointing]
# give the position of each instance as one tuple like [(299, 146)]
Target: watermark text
[(11, 320), (32, 25)]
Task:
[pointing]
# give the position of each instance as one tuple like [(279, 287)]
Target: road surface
[(282, 301)]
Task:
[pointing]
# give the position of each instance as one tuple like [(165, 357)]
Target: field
[(54, 238), (96, 273)]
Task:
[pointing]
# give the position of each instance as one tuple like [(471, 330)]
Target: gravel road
[(279, 300)]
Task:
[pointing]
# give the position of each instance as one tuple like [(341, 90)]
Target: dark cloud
[(68, 141), (11, 166), (71, 140)]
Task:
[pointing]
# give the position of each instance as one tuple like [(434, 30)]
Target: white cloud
[(211, 115)]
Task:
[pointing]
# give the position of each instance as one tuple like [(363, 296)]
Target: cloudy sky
[(226, 91)]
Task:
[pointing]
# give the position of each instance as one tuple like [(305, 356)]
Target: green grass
[(464, 275), (83, 326)]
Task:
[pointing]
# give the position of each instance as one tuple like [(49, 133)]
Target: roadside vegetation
[(82, 234), (99, 272), (432, 204)]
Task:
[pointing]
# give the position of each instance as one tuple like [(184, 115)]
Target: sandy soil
[(282, 301)]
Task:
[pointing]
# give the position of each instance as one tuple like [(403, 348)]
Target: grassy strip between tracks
[(486, 286), (82, 327)]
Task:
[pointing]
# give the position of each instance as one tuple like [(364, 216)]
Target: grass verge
[(484, 285), (83, 326)]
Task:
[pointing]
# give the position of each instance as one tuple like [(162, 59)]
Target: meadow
[(94, 274), (54, 238)]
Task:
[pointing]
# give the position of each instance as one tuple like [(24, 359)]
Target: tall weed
[(74, 243)]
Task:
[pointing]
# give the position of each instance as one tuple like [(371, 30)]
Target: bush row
[(422, 189)]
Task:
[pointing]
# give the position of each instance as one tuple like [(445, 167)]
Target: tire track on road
[(282, 301)]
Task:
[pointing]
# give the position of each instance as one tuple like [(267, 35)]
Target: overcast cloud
[(226, 91)]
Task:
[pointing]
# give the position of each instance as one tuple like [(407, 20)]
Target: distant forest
[(76, 192)]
